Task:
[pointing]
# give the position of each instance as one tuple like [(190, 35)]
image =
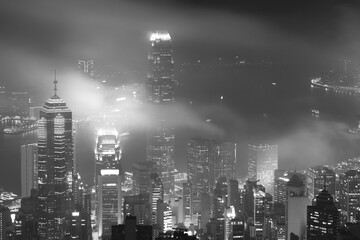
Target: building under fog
[(107, 151), (160, 141), (263, 160)]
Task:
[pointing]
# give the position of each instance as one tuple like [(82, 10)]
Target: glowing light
[(274, 83), (75, 214), (222, 97), (208, 120), (109, 172), (104, 132), (121, 99), (164, 36)]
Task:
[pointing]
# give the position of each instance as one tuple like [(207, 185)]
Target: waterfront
[(251, 106)]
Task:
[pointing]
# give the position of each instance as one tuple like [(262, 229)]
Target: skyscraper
[(349, 195), (86, 67), (55, 166), (160, 142), (322, 218), (156, 195), (141, 176), (317, 178), (263, 160), (109, 209), (107, 151), (29, 169)]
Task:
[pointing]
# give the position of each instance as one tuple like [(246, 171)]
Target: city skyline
[(179, 120)]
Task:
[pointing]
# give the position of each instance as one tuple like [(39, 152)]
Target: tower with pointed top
[(55, 166)]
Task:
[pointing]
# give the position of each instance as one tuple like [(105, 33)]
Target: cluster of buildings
[(154, 201)]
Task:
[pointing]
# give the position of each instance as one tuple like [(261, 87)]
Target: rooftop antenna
[(55, 82)]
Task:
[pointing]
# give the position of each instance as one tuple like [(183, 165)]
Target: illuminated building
[(55, 166), (107, 151), (79, 229), (322, 218), (198, 166), (86, 67), (127, 184), (263, 160), (156, 195), (139, 206), (220, 204), (259, 210), (281, 177), (187, 198), (29, 166), (237, 228), (296, 205), (319, 177), (349, 196), (5, 222), (229, 215), (141, 177), (279, 221), (160, 141), (109, 200)]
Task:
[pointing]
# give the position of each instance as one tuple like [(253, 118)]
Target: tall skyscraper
[(55, 166), (160, 142), (349, 195), (263, 160), (29, 169), (322, 218), (227, 155), (220, 205), (109, 206)]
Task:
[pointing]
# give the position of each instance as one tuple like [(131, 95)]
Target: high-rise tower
[(160, 142), (55, 166)]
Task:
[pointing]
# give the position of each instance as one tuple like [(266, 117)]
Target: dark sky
[(38, 37)]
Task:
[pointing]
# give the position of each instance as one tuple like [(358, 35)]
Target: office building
[(160, 143), (29, 169), (107, 151), (139, 206), (109, 205), (263, 161), (141, 177), (156, 195), (319, 177), (349, 195), (55, 166), (86, 67), (5, 222), (227, 156), (322, 218), (220, 205), (295, 208)]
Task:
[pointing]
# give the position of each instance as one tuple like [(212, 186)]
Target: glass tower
[(160, 142)]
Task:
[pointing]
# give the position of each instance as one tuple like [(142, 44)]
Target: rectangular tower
[(29, 169)]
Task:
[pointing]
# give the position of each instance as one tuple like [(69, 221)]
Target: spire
[(55, 82)]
